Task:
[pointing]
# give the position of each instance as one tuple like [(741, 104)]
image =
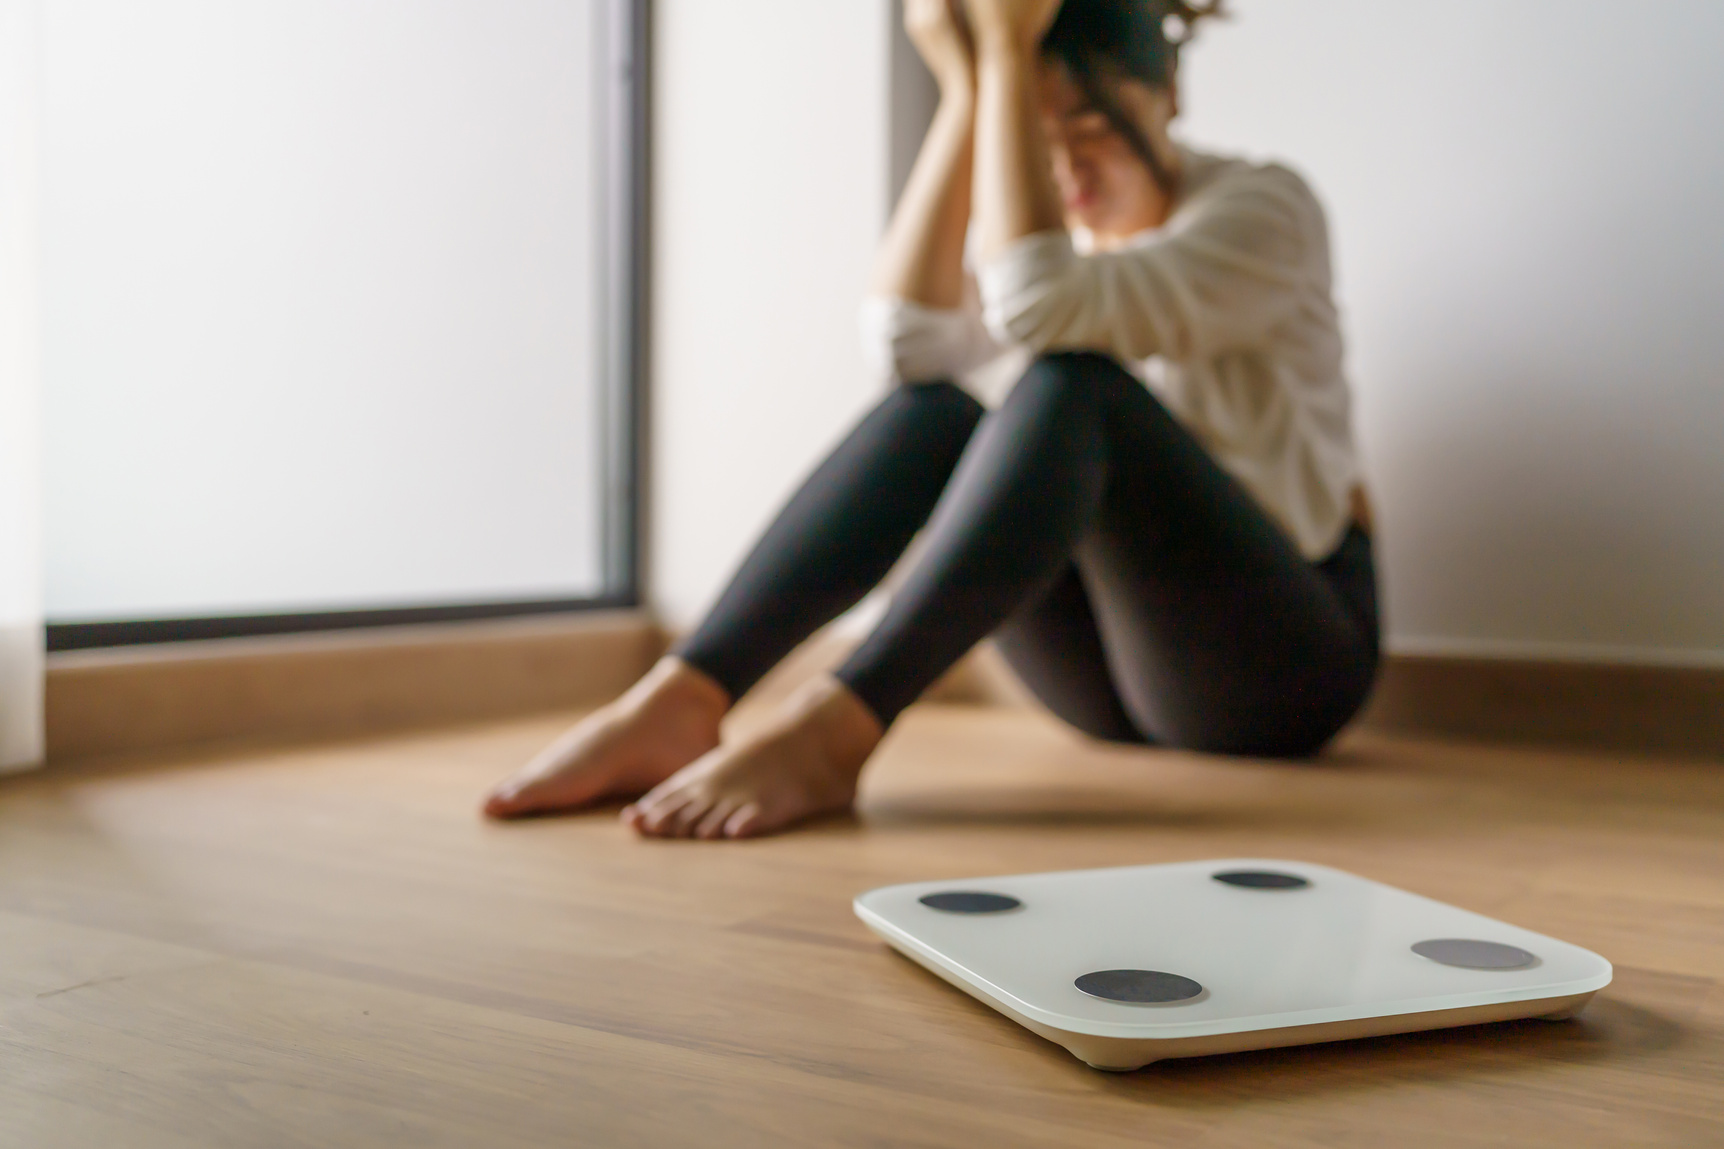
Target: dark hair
[(1101, 42)]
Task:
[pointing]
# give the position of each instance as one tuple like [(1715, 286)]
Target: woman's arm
[(921, 259), (1014, 188), (1229, 270)]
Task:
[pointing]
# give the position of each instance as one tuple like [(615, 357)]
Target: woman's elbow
[(1046, 335), (912, 364), (905, 364), (1057, 317), (1027, 328), (902, 360)]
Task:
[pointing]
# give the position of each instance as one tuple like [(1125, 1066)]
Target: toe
[(531, 791), (745, 822), (712, 824), (682, 824), (657, 817), (639, 812), (508, 800)]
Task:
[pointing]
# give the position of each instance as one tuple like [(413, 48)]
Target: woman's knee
[(1089, 368), (1069, 379), (939, 401), (941, 394)]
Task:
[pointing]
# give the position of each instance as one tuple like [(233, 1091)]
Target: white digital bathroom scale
[(1128, 966)]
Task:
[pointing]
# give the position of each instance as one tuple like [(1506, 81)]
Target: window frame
[(624, 230)]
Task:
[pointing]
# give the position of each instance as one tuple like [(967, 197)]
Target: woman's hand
[(1017, 24), (942, 39), (1014, 185)]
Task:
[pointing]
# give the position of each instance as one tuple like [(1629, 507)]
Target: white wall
[(1528, 205), (20, 556), (770, 182)]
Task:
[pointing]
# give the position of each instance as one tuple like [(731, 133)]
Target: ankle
[(848, 728), (673, 685)]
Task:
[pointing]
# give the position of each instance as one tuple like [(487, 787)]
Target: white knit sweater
[(1225, 312)]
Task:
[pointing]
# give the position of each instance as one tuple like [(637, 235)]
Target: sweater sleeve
[(910, 343), (1223, 273)]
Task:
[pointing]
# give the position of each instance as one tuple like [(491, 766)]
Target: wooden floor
[(324, 947)]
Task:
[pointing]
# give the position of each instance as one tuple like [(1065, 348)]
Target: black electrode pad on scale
[(1127, 966)]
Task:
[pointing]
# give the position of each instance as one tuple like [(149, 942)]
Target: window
[(341, 311)]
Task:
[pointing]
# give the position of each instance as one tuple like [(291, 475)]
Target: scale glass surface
[(1128, 966)]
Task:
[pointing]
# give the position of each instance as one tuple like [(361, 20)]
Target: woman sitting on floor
[(1160, 523)]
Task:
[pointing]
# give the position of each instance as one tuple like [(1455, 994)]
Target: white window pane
[(320, 293)]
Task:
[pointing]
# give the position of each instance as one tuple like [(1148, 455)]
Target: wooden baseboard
[(1643, 709), (1636, 709), (179, 694), (175, 694)]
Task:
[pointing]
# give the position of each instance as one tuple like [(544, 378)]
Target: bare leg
[(665, 721), (837, 537), (803, 765)]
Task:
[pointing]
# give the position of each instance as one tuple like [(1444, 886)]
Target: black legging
[(1135, 587)]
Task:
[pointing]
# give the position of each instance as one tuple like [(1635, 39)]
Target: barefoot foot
[(665, 721), (804, 764)]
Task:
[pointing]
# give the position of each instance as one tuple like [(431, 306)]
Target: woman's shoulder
[(1217, 183), (1211, 175)]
